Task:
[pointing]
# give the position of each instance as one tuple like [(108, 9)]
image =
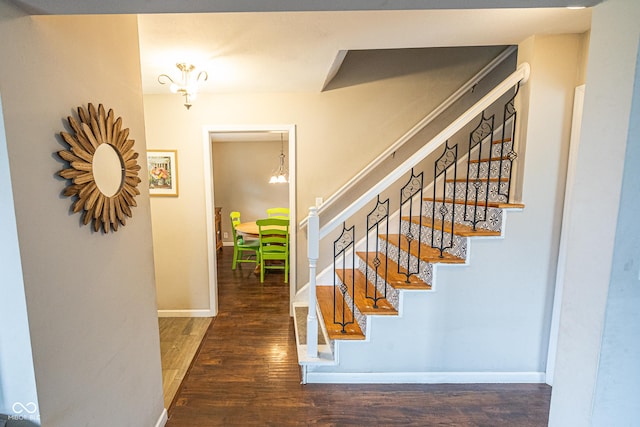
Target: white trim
[(425, 377), (576, 124), (209, 211), (162, 421), (335, 67), (186, 313), (210, 202)]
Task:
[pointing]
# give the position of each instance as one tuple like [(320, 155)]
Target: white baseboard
[(425, 377), (163, 419), (185, 313)]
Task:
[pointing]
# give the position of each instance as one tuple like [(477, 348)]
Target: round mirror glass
[(107, 170)]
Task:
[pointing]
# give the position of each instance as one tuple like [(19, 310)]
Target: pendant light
[(280, 175)]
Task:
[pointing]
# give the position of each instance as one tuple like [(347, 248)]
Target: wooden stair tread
[(459, 229), (500, 141), (427, 253), (500, 205), (493, 159), (364, 304), (324, 295), (478, 179), (395, 279)]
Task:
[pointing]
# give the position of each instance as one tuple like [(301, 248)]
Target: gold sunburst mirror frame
[(109, 208)]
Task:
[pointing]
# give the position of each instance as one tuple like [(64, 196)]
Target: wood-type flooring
[(180, 338), (246, 374)]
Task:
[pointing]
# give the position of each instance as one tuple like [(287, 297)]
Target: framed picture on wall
[(163, 172)]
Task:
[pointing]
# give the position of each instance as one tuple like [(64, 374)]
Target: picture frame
[(162, 166)]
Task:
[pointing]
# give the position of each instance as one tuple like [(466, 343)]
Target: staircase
[(373, 287), (465, 198)]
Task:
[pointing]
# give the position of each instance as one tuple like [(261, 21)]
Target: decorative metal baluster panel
[(508, 132), (379, 215), (341, 248), (440, 212), (413, 188), (477, 192)]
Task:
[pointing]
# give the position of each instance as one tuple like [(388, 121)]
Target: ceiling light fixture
[(187, 86), (280, 175)]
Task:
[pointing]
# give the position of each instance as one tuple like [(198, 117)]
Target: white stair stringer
[(320, 372)]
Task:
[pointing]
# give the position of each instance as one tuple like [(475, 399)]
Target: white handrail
[(414, 130), (520, 75)]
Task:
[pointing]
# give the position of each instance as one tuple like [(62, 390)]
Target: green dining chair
[(240, 245), (274, 246), (281, 213)]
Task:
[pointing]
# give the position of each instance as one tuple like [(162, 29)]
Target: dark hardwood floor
[(246, 374)]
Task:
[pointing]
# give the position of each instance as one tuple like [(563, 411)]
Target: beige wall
[(338, 133), (90, 297)]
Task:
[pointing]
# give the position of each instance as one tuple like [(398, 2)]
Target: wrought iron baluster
[(378, 215), (477, 136), (411, 189), (340, 248), (510, 114), (441, 171)]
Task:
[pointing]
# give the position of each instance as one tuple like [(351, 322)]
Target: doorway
[(256, 133)]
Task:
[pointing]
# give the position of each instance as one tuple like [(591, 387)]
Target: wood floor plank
[(246, 374), (180, 338)]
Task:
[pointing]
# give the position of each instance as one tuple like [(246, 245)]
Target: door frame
[(210, 202), (574, 141)]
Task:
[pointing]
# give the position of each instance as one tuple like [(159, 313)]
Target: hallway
[(246, 374)]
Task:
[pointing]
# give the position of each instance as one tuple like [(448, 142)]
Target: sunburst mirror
[(103, 170)]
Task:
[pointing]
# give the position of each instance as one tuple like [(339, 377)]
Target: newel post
[(313, 251)]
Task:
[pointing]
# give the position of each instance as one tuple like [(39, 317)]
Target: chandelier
[(187, 86), (280, 175)]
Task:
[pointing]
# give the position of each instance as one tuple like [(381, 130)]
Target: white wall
[(17, 380), (90, 298), (338, 133), (618, 382), (489, 321), (594, 219)]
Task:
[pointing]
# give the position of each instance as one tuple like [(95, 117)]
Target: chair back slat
[(280, 213), (274, 244)]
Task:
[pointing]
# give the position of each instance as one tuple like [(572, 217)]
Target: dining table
[(250, 229)]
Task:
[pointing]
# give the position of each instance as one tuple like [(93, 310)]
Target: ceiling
[(299, 45)]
